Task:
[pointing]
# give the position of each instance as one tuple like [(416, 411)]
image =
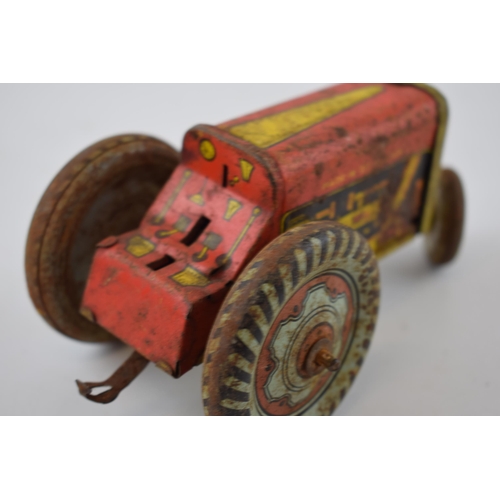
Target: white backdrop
[(437, 343)]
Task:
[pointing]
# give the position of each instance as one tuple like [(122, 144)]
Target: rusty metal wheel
[(103, 191), (292, 333), (444, 239)]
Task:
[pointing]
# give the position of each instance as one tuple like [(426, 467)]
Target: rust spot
[(122, 377), (318, 169), (142, 314)]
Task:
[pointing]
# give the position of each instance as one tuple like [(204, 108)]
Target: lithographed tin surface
[(357, 154), (373, 141), (171, 274)]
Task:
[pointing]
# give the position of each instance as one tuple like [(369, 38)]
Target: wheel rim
[(323, 312), (321, 292)]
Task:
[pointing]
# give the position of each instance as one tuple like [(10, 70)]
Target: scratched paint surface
[(358, 154), (383, 207), (346, 140)]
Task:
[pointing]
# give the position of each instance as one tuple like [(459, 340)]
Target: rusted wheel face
[(444, 239), (103, 191), (312, 293)]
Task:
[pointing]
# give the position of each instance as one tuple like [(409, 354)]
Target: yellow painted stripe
[(365, 215), (159, 218), (408, 175), (189, 276), (255, 213), (272, 129)]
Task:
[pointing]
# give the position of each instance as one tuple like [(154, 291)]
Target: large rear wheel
[(103, 191)]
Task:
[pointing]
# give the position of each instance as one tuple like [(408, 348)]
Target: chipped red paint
[(160, 287)]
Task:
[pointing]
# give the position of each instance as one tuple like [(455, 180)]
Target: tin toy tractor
[(253, 251)]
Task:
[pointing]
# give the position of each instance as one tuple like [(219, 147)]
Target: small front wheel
[(292, 333)]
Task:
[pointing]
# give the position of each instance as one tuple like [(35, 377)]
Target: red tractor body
[(363, 155)]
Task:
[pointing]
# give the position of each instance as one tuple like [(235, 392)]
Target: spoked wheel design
[(293, 332)]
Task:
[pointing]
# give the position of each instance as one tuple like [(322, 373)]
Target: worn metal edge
[(432, 191)]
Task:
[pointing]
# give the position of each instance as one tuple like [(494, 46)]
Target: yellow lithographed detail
[(408, 175), (339, 180), (159, 218), (139, 246), (301, 219), (272, 129), (365, 215), (432, 190), (355, 199), (335, 183), (202, 253), (327, 213), (190, 277), (198, 199), (207, 150), (378, 187), (180, 226), (232, 207), (246, 169), (255, 213), (165, 234)]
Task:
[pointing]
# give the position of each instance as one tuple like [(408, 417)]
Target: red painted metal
[(160, 287)]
